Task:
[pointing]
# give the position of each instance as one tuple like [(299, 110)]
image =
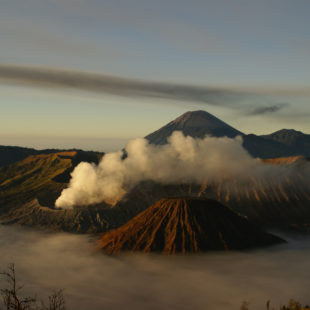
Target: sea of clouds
[(92, 280)]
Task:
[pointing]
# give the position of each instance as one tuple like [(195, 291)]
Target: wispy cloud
[(237, 98), (268, 109), (43, 77)]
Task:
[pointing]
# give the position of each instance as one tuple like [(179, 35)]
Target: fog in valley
[(92, 280)]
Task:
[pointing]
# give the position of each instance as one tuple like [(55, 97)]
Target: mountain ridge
[(295, 139), (198, 124), (10, 154), (29, 188)]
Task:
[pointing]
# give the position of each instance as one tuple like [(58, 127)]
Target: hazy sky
[(259, 49)]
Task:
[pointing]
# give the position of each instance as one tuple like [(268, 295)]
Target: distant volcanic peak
[(196, 124), (287, 131), (185, 225), (203, 120), (198, 119)]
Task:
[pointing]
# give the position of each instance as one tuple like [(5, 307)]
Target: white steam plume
[(182, 160)]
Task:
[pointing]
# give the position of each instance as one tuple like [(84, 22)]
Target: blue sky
[(260, 47)]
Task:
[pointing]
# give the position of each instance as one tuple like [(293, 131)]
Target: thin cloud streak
[(42, 77), (239, 99), (268, 109)]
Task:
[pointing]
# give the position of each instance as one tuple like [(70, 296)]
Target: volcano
[(196, 124), (186, 225)]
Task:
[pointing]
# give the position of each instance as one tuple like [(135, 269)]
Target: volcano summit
[(196, 124)]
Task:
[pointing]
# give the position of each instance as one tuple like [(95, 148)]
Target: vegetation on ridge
[(292, 305)]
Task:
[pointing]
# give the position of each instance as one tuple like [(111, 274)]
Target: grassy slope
[(29, 188), (24, 180), (39, 176)]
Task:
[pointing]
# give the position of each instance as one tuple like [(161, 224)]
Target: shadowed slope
[(11, 154), (181, 225), (296, 140)]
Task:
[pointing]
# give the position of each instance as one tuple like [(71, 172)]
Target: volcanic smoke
[(182, 160)]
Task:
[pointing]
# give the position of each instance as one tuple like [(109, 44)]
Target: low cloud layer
[(210, 281), (182, 160)]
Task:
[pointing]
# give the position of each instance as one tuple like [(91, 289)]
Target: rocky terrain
[(186, 225), (29, 187)]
